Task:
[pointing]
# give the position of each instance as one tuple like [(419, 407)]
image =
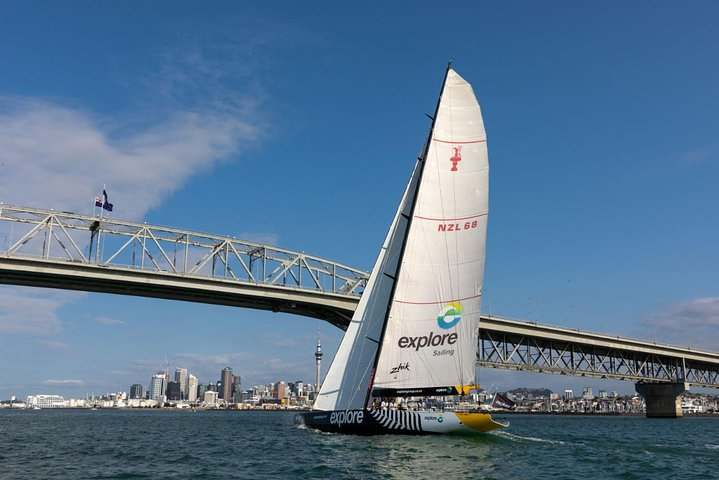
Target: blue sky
[(299, 125)]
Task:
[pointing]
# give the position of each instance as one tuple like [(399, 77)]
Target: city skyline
[(299, 127)]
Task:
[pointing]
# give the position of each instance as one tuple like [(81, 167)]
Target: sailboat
[(414, 333)]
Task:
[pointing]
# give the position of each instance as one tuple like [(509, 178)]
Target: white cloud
[(694, 322), (699, 157), (217, 359), (265, 238), (53, 344), (32, 310), (110, 321), (55, 156), (63, 382)]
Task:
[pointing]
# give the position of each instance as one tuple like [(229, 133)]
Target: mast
[(422, 161)]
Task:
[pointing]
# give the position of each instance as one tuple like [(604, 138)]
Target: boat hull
[(401, 422)]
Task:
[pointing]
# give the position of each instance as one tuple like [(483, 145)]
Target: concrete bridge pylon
[(663, 400)]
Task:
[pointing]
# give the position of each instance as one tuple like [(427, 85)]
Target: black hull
[(364, 422), (399, 422)]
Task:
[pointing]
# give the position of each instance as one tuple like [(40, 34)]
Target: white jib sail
[(349, 376), (431, 333)]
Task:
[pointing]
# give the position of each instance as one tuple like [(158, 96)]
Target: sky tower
[(318, 360)]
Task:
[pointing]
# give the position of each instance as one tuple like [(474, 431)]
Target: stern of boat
[(482, 422)]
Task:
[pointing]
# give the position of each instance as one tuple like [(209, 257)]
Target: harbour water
[(112, 444)]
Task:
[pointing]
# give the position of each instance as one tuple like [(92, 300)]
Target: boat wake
[(521, 438)]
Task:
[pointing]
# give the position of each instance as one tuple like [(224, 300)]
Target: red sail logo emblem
[(456, 158)]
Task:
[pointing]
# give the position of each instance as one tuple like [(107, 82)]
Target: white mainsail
[(431, 335), (422, 301)]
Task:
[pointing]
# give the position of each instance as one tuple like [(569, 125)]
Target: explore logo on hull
[(436, 418), (450, 315), (340, 418)]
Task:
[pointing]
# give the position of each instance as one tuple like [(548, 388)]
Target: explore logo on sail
[(431, 340), (450, 315)]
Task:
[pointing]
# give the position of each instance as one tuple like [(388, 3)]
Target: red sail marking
[(456, 158), (437, 303), (451, 219), (459, 143)]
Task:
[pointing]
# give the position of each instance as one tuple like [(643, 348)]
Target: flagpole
[(92, 232), (99, 230)]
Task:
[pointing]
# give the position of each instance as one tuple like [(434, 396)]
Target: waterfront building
[(210, 398), (201, 389), (137, 391), (158, 387), (46, 401), (226, 378), (181, 379), (192, 388), (587, 393), (568, 395)]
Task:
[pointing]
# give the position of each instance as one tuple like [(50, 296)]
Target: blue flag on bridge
[(102, 202)]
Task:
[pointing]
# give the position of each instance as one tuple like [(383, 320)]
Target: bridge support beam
[(662, 399)]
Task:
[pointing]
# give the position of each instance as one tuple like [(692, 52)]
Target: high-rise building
[(192, 388), (201, 389), (137, 391), (318, 359), (158, 386), (173, 391), (181, 379), (279, 390), (226, 377), (236, 389)]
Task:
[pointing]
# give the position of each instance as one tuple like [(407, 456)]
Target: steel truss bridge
[(47, 248), (57, 249), (516, 345)]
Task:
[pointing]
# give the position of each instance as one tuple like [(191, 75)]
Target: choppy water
[(221, 445)]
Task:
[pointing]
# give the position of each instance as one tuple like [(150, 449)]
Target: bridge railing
[(61, 236)]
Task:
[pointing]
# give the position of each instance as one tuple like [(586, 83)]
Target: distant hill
[(537, 392)]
